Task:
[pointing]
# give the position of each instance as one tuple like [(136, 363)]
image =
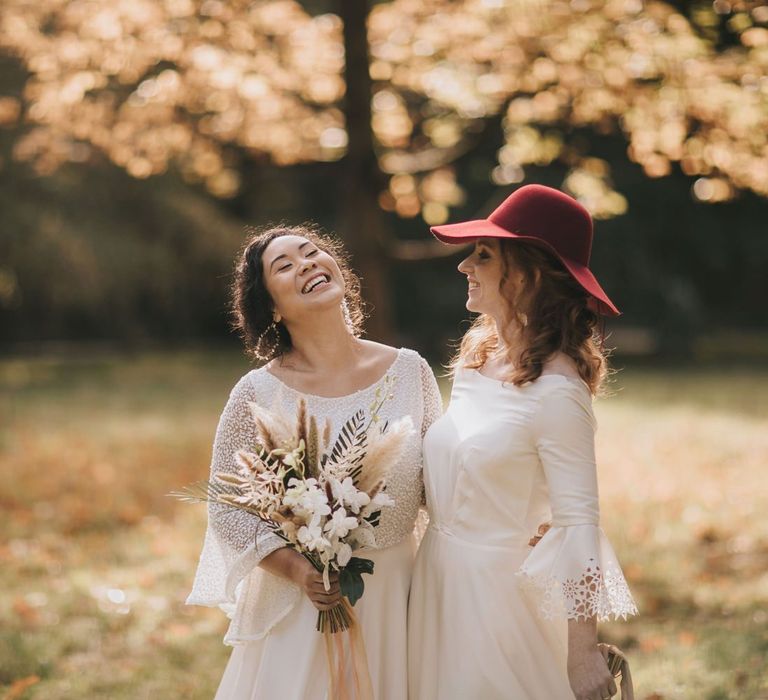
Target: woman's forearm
[(588, 673), (582, 636), (285, 563)]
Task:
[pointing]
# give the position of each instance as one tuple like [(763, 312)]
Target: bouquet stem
[(336, 619)]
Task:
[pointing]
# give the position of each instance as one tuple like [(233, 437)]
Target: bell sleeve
[(241, 532), (228, 575), (572, 572)]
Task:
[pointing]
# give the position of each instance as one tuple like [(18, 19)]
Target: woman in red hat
[(489, 617)]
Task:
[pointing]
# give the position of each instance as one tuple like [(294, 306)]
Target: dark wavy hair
[(252, 306), (551, 314)]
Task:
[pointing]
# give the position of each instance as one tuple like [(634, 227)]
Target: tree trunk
[(361, 219)]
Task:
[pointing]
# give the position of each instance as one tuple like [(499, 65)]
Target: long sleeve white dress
[(488, 614), (278, 653)]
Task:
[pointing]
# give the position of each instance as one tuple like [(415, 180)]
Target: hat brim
[(469, 231)]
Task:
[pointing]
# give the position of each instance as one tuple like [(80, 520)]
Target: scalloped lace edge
[(599, 593)]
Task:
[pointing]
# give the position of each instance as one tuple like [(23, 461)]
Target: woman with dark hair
[(297, 305), (490, 617)]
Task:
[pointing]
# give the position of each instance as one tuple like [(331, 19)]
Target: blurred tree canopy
[(436, 102), (202, 84)]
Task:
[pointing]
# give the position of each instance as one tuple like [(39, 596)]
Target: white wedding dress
[(277, 653), (487, 616)]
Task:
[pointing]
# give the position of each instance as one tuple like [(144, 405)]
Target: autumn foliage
[(202, 84)]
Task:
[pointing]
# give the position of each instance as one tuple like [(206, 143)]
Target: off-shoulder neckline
[(317, 397)]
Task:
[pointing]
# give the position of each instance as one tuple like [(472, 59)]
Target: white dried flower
[(340, 524), (348, 495)]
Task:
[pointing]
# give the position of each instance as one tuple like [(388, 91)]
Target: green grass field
[(95, 560)]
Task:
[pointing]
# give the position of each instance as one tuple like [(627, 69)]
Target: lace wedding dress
[(278, 653), (488, 614)]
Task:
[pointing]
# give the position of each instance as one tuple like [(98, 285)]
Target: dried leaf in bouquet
[(346, 457), (273, 428), (313, 449), (326, 435), (384, 448), (301, 432)]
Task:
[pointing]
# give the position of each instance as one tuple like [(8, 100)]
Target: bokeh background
[(139, 137)]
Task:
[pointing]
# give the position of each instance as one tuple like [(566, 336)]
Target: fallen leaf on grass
[(25, 611), (656, 603), (654, 643), (709, 535), (178, 630), (19, 686), (130, 515)]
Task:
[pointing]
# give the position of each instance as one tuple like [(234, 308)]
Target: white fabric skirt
[(473, 634), (289, 663)]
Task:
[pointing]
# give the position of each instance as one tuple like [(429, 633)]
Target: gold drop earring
[(269, 340)]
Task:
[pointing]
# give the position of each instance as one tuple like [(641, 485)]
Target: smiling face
[(300, 277), (491, 277)]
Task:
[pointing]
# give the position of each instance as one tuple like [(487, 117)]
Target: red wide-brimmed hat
[(546, 217)]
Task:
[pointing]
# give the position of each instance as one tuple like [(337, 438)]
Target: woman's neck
[(509, 342), (319, 346)]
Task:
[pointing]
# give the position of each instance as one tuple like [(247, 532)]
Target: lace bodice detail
[(237, 541)]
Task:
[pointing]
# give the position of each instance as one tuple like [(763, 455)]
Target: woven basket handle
[(619, 665)]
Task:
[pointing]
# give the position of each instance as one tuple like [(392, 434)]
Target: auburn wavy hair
[(551, 314), (251, 305)]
